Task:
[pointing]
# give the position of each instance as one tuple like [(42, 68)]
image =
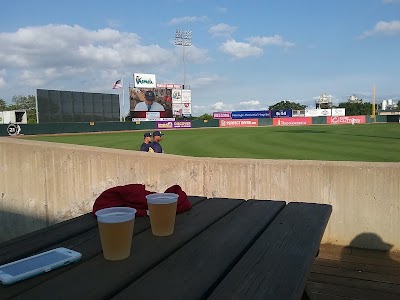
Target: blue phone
[(37, 264)]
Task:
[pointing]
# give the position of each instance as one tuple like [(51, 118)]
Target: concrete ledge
[(43, 183)]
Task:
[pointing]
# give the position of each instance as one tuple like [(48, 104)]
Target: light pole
[(184, 38)]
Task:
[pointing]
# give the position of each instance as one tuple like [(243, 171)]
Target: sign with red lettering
[(292, 121), (221, 115), (238, 123), (346, 120)]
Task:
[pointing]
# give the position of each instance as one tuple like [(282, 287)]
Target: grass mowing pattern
[(366, 142)]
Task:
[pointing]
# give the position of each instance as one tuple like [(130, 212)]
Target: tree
[(3, 105), (356, 109), (205, 117), (27, 103), (287, 105)]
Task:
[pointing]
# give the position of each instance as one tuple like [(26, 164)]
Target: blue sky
[(244, 54)]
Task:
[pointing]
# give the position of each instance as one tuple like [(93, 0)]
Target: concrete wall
[(42, 183)]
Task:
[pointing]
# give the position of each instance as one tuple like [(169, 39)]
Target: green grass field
[(367, 142)]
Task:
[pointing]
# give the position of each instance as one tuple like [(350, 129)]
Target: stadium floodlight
[(183, 38)]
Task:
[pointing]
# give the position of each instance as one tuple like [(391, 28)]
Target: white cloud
[(221, 106), (80, 58), (222, 29), (390, 1), (204, 80), (251, 102), (383, 28), (193, 54), (239, 49), (187, 19), (63, 45), (275, 40)]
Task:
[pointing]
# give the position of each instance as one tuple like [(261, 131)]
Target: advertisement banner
[(251, 114), (174, 124), (182, 109), (176, 96), (324, 112), (152, 115), (186, 96), (298, 113), (144, 80), (169, 86), (346, 120), (311, 113), (221, 115), (336, 112), (292, 121), (238, 123), (281, 113), (145, 119)]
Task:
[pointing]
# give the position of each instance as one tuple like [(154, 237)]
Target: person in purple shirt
[(155, 145)]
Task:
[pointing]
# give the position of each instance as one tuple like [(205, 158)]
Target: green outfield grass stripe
[(367, 142)]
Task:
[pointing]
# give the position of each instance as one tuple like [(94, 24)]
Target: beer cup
[(162, 212), (116, 230)]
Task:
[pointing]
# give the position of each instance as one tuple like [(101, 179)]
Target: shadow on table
[(15, 224)]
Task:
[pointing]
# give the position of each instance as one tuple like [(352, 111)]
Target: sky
[(245, 55)]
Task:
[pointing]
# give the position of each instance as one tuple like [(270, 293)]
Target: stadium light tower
[(184, 38)]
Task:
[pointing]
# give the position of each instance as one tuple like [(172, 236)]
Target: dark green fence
[(319, 120), (56, 128), (265, 122)]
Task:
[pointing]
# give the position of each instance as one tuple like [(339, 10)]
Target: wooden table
[(220, 249)]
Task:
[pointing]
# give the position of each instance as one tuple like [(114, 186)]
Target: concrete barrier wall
[(43, 183)]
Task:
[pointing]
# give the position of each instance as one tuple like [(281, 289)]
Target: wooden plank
[(359, 259), (196, 199), (206, 258), (329, 291), (354, 283), (98, 278), (358, 274), (277, 265), (363, 267), (376, 254), (35, 242), (333, 249)]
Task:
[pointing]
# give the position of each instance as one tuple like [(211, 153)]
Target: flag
[(117, 84)]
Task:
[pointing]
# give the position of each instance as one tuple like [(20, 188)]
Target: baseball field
[(363, 142)]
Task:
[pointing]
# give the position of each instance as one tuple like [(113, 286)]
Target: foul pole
[(373, 103)]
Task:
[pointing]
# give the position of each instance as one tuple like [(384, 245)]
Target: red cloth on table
[(134, 195)]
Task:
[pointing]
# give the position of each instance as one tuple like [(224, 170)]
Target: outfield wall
[(57, 128), (42, 183)]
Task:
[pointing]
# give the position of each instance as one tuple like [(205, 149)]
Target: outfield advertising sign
[(282, 113), (251, 114), (346, 120), (173, 124), (221, 115), (292, 121), (238, 123), (336, 112), (141, 80)]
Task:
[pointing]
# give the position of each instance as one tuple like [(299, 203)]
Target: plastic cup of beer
[(116, 230), (162, 212)]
